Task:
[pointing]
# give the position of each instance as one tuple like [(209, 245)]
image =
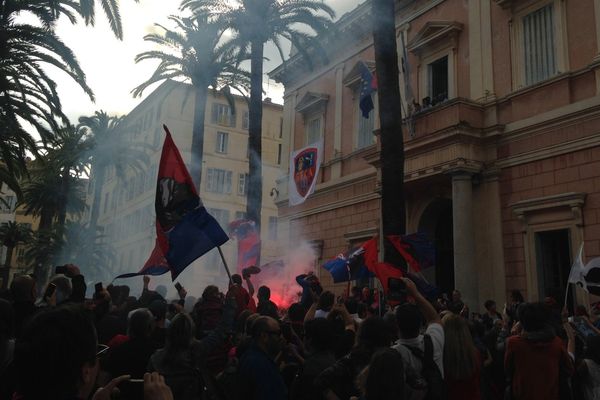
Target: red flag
[(371, 252), (384, 271), (405, 251)]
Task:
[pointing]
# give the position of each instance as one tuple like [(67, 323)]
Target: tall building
[(501, 103), (127, 202)]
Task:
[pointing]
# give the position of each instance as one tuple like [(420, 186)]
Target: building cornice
[(353, 25)]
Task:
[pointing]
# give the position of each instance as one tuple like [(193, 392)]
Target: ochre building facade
[(501, 112)]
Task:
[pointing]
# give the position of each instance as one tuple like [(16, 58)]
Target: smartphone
[(396, 290), (132, 389), (49, 290), (98, 287), (178, 286), (60, 269)]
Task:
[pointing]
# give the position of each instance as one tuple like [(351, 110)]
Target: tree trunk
[(254, 199), (65, 186), (198, 134), (99, 174), (6, 267), (392, 141)]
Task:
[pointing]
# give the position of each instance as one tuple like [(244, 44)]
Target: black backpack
[(430, 379)]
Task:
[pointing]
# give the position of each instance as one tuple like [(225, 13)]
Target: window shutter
[(538, 37), (215, 113)]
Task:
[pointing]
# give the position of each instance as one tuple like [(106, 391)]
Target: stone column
[(465, 270), (336, 167), (596, 61)]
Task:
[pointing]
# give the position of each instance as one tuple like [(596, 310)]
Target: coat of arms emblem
[(305, 166)]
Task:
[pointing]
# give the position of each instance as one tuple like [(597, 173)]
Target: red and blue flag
[(244, 231), (184, 229), (353, 264)]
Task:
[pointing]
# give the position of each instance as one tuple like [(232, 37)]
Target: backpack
[(429, 380)]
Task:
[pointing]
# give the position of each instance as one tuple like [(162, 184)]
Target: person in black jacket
[(340, 379)]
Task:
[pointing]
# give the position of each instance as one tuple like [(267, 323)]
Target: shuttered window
[(313, 130), (365, 129), (218, 181), (221, 114), (539, 45)]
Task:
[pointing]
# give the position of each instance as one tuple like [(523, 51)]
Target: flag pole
[(225, 263), (567, 294)]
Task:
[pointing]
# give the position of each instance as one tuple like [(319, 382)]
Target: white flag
[(586, 276), (304, 170), (577, 275)]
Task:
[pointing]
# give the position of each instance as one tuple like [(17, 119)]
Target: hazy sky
[(109, 63)]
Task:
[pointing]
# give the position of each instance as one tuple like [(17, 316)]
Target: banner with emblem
[(304, 170)]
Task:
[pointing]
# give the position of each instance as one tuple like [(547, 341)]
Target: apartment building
[(127, 203)]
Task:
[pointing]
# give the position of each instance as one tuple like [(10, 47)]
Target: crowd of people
[(241, 346)]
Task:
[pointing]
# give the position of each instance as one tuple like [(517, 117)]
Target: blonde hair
[(460, 354)]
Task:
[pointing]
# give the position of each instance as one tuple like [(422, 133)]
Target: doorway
[(553, 263), (436, 223)]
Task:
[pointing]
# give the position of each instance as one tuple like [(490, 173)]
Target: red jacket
[(535, 366)]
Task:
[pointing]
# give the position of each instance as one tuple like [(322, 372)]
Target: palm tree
[(11, 234), (68, 157), (392, 139), (110, 147), (87, 10), (27, 93), (194, 52), (54, 188), (84, 246), (41, 252), (256, 23)]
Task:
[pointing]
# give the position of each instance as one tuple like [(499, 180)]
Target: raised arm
[(431, 316)]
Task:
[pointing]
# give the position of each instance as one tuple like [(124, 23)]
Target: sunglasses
[(101, 350)]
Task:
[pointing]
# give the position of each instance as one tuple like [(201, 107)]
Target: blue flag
[(368, 86)]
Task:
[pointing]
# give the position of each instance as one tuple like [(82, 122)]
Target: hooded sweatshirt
[(536, 359)]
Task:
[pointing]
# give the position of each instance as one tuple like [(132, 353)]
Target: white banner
[(304, 170)]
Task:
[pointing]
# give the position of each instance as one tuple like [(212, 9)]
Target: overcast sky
[(109, 63)]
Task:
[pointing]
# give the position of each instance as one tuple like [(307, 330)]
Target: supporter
[(491, 315), (183, 360), (309, 283), (318, 343), (131, 357), (109, 322), (259, 377), (7, 348), (209, 310), (515, 300), (296, 314), (422, 354), (265, 306), (23, 293), (536, 360), (326, 301), (383, 379), (462, 361), (456, 305), (158, 308), (241, 294), (340, 379), (56, 358), (589, 370)]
